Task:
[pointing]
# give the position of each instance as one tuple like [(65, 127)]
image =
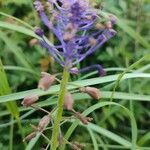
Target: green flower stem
[(58, 117)]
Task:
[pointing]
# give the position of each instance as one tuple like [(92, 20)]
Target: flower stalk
[(60, 103)]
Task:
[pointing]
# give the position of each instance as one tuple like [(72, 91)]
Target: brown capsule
[(43, 122), (68, 36), (99, 26), (29, 100), (46, 80), (33, 42), (93, 92), (92, 41), (81, 146), (83, 119), (29, 137), (109, 25), (68, 101), (75, 147)]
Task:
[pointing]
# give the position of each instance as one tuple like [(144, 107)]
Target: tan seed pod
[(99, 26), (43, 122), (75, 147), (83, 119), (33, 42), (93, 92), (29, 137), (29, 100), (68, 101), (68, 36), (46, 80), (92, 41), (109, 25)]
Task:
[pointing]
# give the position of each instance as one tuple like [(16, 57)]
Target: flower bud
[(43, 122), (75, 147), (81, 146), (92, 41), (93, 92), (33, 42), (74, 70), (68, 101), (113, 19), (29, 137), (99, 26), (38, 31), (84, 120), (29, 100), (46, 80), (38, 6), (68, 36), (108, 25)]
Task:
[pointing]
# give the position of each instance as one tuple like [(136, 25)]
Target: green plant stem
[(60, 103), (11, 135)]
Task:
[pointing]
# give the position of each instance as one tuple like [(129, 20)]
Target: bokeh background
[(24, 59)]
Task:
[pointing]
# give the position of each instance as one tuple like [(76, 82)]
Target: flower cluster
[(77, 27)]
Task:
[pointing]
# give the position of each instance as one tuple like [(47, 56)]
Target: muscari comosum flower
[(76, 26)]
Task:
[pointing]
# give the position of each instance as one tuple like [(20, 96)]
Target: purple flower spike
[(38, 6), (74, 23)]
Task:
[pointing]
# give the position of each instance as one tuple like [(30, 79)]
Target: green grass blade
[(18, 28), (33, 142), (12, 105), (93, 139), (15, 50), (126, 28), (87, 82), (5, 89), (146, 57), (21, 69), (145, 138), (113, 137), (105, 94), (16, 19)]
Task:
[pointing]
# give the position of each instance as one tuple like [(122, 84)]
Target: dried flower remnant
[(43, 122), (75, 147), (93, 92), (29, 100), (71, 22), (29, 137), (33, 42), (46, 80), (78, 145), (83, 119), (68, 101)]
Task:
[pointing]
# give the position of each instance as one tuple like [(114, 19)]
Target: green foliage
[(125, 88)]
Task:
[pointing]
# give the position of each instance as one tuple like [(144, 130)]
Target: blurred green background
[(24, 59)]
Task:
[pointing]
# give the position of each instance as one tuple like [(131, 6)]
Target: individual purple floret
[(76, 26)]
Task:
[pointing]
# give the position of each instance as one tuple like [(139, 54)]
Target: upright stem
[(58, 117)]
